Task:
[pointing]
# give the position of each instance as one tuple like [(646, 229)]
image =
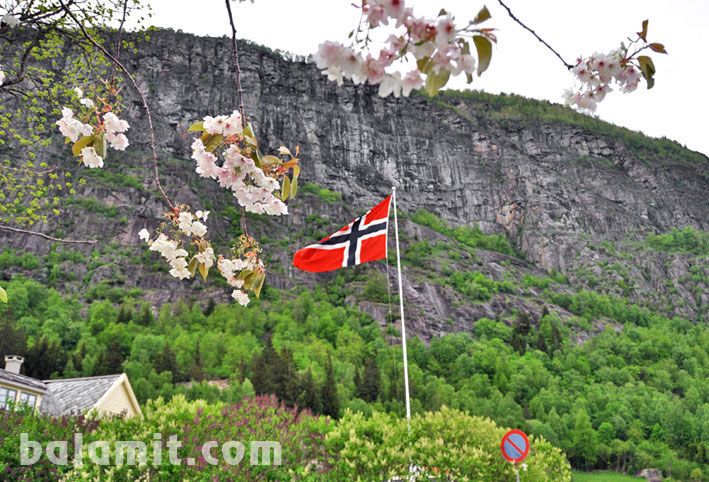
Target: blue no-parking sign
[(515, 446)]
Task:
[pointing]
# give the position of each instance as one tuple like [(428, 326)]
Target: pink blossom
[(411, 81), (373, 70), (329, 53), (392, 8), (376, 15), (446, 32)]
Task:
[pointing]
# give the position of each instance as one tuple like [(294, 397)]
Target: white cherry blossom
[(90, 158)]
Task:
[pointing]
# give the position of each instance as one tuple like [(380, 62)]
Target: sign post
[(515, 448)]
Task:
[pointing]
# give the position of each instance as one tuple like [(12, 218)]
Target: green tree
[(45, 358), (584, 443), (330, 402)]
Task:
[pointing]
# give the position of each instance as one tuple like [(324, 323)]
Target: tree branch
[(512, 15), (46, 236), (240, 93), (133, 82), (237, 68)]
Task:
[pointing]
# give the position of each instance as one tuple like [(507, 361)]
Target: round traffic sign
[(515, 446)]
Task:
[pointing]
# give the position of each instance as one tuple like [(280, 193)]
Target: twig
[(46, 236), (512, 15), (133, 82), (240, 93), (237, 68)]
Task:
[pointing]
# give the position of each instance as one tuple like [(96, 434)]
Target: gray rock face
[(557, 190)]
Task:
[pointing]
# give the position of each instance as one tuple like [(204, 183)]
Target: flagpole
[(401, 308)]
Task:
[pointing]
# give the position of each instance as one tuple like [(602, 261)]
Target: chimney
[(13, 363)]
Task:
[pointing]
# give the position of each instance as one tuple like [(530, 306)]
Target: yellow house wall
[(116, 402)]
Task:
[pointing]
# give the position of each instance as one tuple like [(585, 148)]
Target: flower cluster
[(91, 142), (168, 249), (252, 178), (2, 75), (184, 223), (621, 68), (596, 74), (230, 270), (438, 46), (71, 127)]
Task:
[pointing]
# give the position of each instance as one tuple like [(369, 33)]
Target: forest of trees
[(634, 396)]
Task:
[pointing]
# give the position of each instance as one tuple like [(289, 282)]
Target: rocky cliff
[(573, 194)]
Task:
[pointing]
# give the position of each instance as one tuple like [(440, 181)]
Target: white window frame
[(5, 396), (26, 396)]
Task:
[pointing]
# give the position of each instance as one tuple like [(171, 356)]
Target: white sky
[(676, 107)]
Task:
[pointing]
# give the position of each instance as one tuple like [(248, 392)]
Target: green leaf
[(435, 82), (294, 187), (483, 14), (257, 284), (484, 48), (643, 33), (203, 270), (249, 135), (214, 142), (424, 65), (100, 144), (285, 188), (647, 67), (196, 127), (193, 266), (270, 160), (657, 47), (3, 295), (80, 144)]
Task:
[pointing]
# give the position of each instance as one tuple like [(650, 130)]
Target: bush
[(326, 195), (473, 237), (194, 423), (686, 240), (445, 443), (10, 258), (376, 288), (479, 287)]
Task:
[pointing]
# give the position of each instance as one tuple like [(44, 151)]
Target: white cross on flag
[(363, 240)]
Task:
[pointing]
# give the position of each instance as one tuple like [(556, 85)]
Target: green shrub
[(325, 194), (472, 237), (10, 258), (685, 240), (95, 206), (477, 286), (376, 289), (445, 445)]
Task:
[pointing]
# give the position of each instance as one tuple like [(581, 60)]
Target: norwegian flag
[(363, 240)]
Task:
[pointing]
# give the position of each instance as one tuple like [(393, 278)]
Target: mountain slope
[(573, 194)]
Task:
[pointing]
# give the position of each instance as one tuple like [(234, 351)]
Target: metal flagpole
[(401, 307)]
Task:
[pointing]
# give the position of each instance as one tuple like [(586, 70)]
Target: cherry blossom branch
[(237, 68), (46, 236), (240, 93), (133, 82), (513, 17)]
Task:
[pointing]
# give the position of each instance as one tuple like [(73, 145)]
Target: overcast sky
[(676, 107)]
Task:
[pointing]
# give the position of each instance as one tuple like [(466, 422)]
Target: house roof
[(75, 395), (23, 381)]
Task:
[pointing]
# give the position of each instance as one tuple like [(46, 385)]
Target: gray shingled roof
[(75, 395), (22, 380)]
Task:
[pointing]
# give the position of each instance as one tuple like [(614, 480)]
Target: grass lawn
[(602, 476)]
